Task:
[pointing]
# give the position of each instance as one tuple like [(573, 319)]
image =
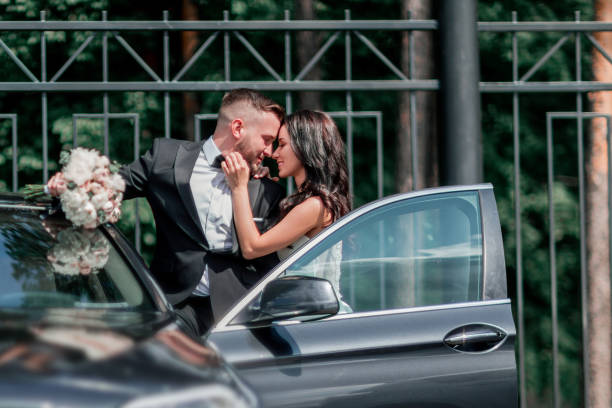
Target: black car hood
[(100, 358)]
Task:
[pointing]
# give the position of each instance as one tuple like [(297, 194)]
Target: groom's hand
[(264, 171)]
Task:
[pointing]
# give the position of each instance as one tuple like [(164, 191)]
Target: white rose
[(96, 188), (116, 183), (102, 161), (90, 215), (80, 166), (73, 199), (108, 207), (99, 200)]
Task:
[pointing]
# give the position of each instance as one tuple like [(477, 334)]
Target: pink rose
[(57, 184)]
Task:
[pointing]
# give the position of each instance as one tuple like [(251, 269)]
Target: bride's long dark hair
[(317, 143)]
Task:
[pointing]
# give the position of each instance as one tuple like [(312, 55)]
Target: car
[(411, 310), (82, 323), (420, 316)]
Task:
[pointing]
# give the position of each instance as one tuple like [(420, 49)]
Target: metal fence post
[(460, 97)]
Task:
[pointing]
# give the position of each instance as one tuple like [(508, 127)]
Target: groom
[(197, 259)]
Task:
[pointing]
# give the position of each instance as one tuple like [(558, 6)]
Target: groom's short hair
[(252, 98)]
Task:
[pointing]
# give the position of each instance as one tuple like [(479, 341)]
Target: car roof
[(17, 201)]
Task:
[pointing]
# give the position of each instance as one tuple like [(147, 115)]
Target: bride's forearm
[(302, 218)]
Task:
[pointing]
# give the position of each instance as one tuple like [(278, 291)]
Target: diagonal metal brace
[(195, 56), (17, 61), (258, 56), (599, 47), (545, 58), (380, 55), (72, 58), (137, 57), (317, 56)]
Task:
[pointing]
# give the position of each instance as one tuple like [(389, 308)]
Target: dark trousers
[(196, 314)]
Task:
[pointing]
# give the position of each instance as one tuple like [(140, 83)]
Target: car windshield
[(47, 263)]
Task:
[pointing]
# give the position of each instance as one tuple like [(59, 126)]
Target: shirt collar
[(211, 151)]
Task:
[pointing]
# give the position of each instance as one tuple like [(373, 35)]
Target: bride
[(311, 151)]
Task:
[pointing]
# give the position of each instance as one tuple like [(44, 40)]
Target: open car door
[(421, 318)]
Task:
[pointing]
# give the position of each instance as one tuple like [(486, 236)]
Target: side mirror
[(294, 296)]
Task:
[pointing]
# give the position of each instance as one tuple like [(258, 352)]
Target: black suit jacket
[(162, 176)]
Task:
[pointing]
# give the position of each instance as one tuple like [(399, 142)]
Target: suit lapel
[(183, 168), (254, 188)]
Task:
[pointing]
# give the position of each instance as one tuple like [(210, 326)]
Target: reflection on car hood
[(92, 357)]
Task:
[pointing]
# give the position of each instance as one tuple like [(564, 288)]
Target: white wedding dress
[(326, 266)]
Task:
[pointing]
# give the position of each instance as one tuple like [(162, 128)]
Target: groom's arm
[(136, 174)]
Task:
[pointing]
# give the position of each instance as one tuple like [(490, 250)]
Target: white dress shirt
[(213, 200)]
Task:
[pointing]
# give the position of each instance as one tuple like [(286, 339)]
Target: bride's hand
[(236, 170)]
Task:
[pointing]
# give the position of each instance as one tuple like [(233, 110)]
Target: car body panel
[(407, 357), (98, 338)]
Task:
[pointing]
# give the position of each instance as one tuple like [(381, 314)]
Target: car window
[(417, 252), (45, 262)]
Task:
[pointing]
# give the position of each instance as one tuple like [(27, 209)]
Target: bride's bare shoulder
[(314, 205)]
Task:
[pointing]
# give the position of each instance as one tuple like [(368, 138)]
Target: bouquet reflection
[(77, 251)]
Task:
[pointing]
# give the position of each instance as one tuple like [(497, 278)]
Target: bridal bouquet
[(79, 251), (89, 188)]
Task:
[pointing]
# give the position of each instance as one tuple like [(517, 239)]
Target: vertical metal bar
[(43, 79), (105, 80), (288, 98), (581, 187), (15, 152), (459, 93), (166, 78), (379, 153), (381, 267), (226, 49), (287, 64), (517, 220), (381, 237), (349, 104), (137, 201), (74, 131), (553, 260), (196, 129), (414, 146)]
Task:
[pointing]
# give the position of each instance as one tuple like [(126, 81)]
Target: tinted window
[(48, 263), (417, 252)]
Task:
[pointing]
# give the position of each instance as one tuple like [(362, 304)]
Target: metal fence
[(352, 33)]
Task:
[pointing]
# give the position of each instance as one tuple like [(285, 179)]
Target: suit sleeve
[(275, 193), (136, 174)]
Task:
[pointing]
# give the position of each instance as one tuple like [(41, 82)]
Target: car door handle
[(474, 338)]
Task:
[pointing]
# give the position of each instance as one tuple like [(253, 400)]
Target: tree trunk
[(599, 313), (189, 42), (425, 113), (426, 140), (307, 44)]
